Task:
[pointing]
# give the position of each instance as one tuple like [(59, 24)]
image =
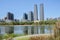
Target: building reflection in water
[(25, 29), (6, 29)]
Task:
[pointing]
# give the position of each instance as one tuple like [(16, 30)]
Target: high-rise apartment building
[(41, 12), (35, 13), (30, 16), (10, 16), (25, 16)]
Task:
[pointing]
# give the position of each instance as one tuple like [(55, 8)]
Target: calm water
[(18, 29)]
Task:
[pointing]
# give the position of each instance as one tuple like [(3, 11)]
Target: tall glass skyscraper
[(30, 16), (41, 12), (35, 12)]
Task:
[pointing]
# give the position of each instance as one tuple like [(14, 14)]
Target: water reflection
[(42, 29), (6, 29), (26, 29), (9, 29)]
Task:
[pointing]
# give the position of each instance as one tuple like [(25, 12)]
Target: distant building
[(50, 19), (47, 18), (16, 20), (55, 19), (35, 13), (5, 18), (30, 16), (41, 12), (1, 20), (23, 20), (10, 16), (58, 18), (25, 16)]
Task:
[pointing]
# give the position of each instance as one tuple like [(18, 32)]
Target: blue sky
[(19, 7)]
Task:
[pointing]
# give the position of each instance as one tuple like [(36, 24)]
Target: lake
[(19, 29)]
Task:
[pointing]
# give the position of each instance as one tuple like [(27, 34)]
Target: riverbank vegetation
[(48, 22), (9, 36)]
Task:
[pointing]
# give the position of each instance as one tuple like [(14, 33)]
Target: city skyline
[(32, 16), (18, 8)]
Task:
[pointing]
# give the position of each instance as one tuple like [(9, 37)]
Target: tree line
[(48, 22)]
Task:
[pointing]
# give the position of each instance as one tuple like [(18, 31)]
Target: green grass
[(24, 38)]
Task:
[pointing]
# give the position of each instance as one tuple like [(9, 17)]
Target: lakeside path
[(28, 36)]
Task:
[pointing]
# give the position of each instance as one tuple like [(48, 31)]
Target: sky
[(19, 7)]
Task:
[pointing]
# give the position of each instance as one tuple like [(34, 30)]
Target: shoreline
[(26, 25)]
